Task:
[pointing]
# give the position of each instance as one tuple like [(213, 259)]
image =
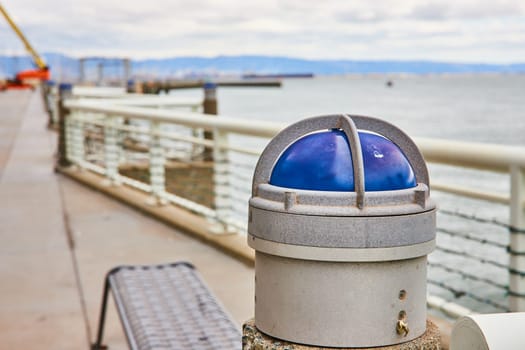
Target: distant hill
[(67, 68), (275, 65)]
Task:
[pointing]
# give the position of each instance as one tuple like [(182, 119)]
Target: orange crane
[(25, 79)]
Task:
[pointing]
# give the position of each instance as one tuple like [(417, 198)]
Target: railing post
[(100, 74), (209, 107), (69, 136), (75, 129), (156, 165), (111, 150), (197, 133), (46, 92), (221, 180), (81, 72), (55, 107), (127, 71), (517, 240), (64, 91)]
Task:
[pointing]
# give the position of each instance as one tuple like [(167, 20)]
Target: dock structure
[(156, 87), (59, 239)]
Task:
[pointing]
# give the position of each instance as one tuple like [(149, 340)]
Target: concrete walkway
[(59, 238)]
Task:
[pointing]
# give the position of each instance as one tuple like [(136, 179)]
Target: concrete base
[(252, 339)]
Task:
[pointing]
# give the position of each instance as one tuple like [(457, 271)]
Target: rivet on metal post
[(402, 328)]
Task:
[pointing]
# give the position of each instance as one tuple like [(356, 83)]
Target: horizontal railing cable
[(473, 238), (475, 218), (469, 276), (458, 293)]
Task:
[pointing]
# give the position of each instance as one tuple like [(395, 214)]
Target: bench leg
[(102, 321)]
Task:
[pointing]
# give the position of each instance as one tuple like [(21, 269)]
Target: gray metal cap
[(342, 219)]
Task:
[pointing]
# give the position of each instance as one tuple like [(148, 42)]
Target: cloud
[(362, 16), (473, 10), (430, 11), (408, 29)]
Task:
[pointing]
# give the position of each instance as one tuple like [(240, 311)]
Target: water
[(478, 108), (471, 108)]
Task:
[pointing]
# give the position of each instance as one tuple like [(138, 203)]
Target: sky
[(446, 30)]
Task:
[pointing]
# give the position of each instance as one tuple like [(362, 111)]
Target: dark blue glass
[(322, 162)]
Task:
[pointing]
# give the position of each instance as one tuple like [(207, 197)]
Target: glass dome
[(322, 162)]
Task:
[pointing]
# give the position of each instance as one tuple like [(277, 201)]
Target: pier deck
[(59, 238)]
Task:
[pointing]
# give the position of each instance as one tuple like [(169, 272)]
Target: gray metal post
[(100, 74), (64, 91), (127, 71), (517, 240), (82, 72)]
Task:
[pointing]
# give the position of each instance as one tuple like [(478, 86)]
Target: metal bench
[(165, 307)]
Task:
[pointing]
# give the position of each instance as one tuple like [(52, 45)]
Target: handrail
[(123, 98), (483, 156), (99, 92), (190, 119), (155, 101)]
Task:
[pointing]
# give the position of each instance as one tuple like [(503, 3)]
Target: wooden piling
[(210, 107), (64, 91)]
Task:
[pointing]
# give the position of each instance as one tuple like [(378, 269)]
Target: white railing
[(172, 129)]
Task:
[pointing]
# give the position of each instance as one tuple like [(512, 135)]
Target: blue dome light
[(322, 162)]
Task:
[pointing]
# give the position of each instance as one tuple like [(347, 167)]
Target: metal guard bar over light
[(349, 125)]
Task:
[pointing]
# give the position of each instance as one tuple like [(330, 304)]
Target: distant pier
[(155, 87)]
